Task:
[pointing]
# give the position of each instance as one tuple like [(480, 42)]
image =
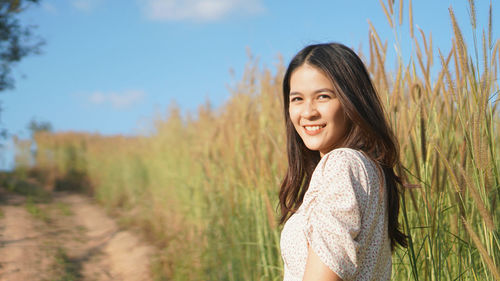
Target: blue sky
[(110, 66)]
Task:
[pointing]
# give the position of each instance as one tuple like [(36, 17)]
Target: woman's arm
[(316, 270), (333, 217)]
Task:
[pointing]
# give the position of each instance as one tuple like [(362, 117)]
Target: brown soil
[(70, 238)]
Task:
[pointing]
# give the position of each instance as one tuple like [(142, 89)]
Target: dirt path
[(69, 238), (21, 253)]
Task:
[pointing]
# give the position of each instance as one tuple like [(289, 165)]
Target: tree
[(15, 39), (39, 126)]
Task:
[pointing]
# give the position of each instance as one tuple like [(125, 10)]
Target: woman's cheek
[(294, 116)]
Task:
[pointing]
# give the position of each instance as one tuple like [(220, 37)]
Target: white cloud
[(49, 8), (197, 10), (86, 5), (123, 100)]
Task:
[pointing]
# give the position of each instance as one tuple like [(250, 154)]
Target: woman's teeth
[(313, 128)]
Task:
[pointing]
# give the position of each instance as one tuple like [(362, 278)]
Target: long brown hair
[(368, 129)]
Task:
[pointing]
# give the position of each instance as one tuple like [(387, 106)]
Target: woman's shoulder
[(346, 158), (342, 168), (344, 152), (347, 161)]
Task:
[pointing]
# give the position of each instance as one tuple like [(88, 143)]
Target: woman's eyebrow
[(315, 92), (324, 90)]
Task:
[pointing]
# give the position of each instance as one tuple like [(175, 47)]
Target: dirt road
[(70, 238)]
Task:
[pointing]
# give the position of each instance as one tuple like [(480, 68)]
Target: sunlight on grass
[(203, 187)]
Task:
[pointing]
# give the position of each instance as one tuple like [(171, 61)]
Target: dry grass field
[(203, 186)]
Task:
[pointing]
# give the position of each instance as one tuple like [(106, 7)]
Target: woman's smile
[(313, 129)]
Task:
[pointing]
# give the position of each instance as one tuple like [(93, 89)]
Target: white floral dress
[(343, 218)]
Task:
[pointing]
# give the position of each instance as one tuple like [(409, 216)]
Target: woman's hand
[(316, 270)]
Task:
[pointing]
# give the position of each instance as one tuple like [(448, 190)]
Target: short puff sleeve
[(333, 214)]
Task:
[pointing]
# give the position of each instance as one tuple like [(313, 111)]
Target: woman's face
[(315, 111)]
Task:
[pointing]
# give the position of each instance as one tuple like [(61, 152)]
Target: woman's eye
[(294, 99), (322, 97)]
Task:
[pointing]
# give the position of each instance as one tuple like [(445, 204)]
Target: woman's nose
[(309, 110)]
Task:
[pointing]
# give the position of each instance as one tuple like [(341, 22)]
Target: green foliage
[(64, 209), (35, 126), (35, 210), (18, 182), (16, 41), (65, 268)]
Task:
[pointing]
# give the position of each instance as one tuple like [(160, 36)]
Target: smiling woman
[(339, 197), (315, 111)]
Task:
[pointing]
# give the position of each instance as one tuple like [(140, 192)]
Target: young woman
[(339, 197)]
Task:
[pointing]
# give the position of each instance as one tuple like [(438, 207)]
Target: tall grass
[(203, 187)]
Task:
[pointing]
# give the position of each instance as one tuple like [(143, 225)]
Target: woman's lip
[(314, 125), (315, 132)]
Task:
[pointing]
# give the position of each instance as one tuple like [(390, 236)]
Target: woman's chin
[(313, 147)]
